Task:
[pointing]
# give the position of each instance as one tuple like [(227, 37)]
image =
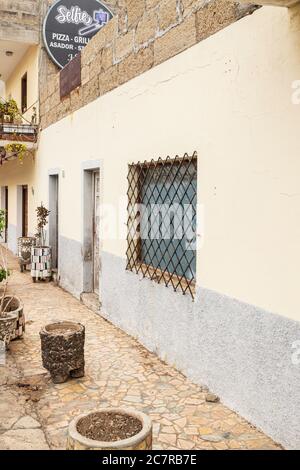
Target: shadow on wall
[(294, 14)]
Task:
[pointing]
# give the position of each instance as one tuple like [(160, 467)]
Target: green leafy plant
[(3, 274), (42, 221), (4, 271), (2, 221), (2, 110), (20, 150), (9, 108)]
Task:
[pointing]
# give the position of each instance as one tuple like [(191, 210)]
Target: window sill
[(178, 283)]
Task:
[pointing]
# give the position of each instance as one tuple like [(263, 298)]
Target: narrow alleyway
[(34, 413)]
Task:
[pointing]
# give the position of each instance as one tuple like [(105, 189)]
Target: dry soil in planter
[(109, 427)]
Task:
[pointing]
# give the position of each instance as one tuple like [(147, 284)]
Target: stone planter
[(63, 350), (140, 441), (41, 263), (24, 251), (15, 306), (7, 327)]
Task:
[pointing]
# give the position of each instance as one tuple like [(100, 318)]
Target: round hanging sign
[(69, 26)]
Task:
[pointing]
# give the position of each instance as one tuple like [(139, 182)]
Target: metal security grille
[(162, 199)]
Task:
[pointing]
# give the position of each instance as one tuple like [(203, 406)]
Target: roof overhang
[(11, 53)]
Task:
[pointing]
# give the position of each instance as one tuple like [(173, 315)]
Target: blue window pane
[(168, 222)]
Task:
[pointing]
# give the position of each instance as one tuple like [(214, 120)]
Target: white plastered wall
[(230, 99), (14, 174), (29, 64)]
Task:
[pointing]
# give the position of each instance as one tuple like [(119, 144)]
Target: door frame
[(95, 287), (25, 212), (88, 170), (20, 211), (54, 216)]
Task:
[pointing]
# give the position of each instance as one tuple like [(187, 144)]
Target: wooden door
[(96, 231), (54, 218), (24, 211)]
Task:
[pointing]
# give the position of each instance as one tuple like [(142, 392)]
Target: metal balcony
[(26, 133)]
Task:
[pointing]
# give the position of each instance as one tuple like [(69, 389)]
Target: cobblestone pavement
[(34, 413)]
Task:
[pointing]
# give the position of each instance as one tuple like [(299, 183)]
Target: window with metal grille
[(162, 199)]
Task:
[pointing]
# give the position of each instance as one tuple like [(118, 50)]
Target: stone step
[(91, 301)]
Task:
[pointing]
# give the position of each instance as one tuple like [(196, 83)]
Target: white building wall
[(230, 99)]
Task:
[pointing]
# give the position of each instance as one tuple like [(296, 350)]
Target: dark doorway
[(53, 218), (24, 211), (24, 93)]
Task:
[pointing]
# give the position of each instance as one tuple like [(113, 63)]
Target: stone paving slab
[(119, 372)]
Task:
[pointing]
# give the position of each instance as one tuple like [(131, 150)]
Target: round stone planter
[(140, 441), (63, 350), (7, 327), (15, 306)]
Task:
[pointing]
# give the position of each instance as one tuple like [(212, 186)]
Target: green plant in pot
[(9, 110), (41, 256), (42, 221), (9, 305)]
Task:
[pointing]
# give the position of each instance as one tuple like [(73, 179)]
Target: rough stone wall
[(20, 20), (143, 34)]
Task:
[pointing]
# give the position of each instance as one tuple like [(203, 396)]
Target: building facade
[(209, 84)]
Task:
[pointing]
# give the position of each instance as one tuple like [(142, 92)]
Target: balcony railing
[(18, 132)]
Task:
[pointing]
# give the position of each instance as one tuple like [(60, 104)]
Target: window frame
[(134, 241)]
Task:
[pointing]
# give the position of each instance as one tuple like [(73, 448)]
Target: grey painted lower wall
[(12, 242), (240, 352), (70, 265)]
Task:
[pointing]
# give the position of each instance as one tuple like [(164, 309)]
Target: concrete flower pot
[(140, 441), (63, 350), (41, 263), (15, 306), (8, 323), (24, 251)]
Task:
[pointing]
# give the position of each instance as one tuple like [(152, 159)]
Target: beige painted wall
[(13, 174), (29, 64), (228, 98)]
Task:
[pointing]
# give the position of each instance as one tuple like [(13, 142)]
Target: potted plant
[(110, 429), (11, 309), (8, 110), (2, 110), (41, 257)]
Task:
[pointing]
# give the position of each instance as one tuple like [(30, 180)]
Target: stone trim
[(144, 34)]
